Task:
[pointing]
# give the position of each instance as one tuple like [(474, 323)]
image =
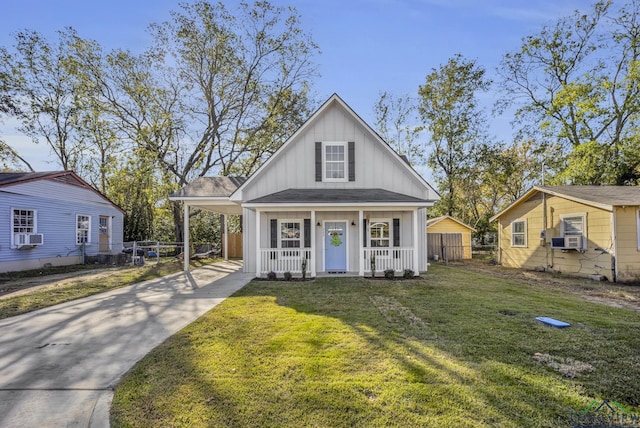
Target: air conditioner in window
[(22, 239), (567, 243)]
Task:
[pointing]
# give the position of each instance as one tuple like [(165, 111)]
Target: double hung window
[(83, 229), (335, 161), (519, 233)]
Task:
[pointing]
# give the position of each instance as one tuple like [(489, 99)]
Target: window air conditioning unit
[(29, 239), (567, 243)]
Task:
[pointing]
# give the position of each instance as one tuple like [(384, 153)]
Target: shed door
[(447, 246), (335, 246), (105, 234)]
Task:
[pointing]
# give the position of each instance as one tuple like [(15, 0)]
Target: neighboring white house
[(50, 218), (334, 195)]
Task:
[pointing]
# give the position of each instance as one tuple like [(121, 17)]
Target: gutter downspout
[(614, 258), (544, 228)]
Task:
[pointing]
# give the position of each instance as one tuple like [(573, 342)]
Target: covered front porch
[(323, 240)]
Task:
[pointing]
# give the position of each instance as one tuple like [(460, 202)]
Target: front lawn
[(457, 348)]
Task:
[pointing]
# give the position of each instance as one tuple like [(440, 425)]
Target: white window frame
[(13, 231), (294, 250), (638, 226), (78, 229), (583, 233), (523, 233), (372, 222), (345, 162)]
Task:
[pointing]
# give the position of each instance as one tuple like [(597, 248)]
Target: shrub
[(389, 273), (287, 276), (408, 274), (271, 276)]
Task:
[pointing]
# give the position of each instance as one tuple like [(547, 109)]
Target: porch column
[(185, 251), (258, 266), (360, 240), (416, 243), (313, 244), (226, 237)]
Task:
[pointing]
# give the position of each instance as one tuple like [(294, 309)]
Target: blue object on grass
[(152, 254), (553, 322)]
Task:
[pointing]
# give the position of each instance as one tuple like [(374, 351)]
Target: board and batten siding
[(56, 220), (294, 168), (353, 233), (535, 255), (627, 243)]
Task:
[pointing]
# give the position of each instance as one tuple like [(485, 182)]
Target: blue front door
[(335, 246)]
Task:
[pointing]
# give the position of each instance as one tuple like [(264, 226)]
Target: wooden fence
[(445, 246)]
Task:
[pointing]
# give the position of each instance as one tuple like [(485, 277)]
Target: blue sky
[(368, 46)]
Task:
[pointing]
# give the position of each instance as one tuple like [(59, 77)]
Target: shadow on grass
[(454, 349)]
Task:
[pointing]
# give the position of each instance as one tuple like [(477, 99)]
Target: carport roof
[(209, 187)]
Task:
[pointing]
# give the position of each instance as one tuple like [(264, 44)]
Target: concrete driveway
[(59, 366)]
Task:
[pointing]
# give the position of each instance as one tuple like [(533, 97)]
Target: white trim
[(226, 237), (313, 245), (416, 243), (525, 232), (35, 223), (360, 247), (345, 161), (300, 238), (324, 242), (185, 250), (88, 241), (389, 221), (258, 243), (638, 226), (379, 206)]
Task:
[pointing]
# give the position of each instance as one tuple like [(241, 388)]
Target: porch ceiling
[(218, 206)]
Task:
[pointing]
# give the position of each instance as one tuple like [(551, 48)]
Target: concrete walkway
[(59, 366)]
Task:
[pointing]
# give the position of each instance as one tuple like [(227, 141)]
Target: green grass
[(455, 349), (43, 297)]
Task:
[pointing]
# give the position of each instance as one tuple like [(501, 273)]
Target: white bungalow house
[(333, 196)]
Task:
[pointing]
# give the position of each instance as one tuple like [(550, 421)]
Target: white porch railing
[(280, 260), (396, 258)]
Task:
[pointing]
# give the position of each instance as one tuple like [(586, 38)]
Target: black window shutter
[(352, 161), (396, 237), (307, 233), (364, 233), (318, 161), (274, 233)]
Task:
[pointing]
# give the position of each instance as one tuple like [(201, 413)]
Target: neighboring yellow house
[(448, 232), (578, 230)]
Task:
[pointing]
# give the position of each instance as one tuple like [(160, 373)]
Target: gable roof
[(337, 196), (436, 220), (8, 179), (216, 187), (335, 99), (604, 197)]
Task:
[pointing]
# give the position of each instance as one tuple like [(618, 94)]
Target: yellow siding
[(539, 255), (628, 256), (449, 226)]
